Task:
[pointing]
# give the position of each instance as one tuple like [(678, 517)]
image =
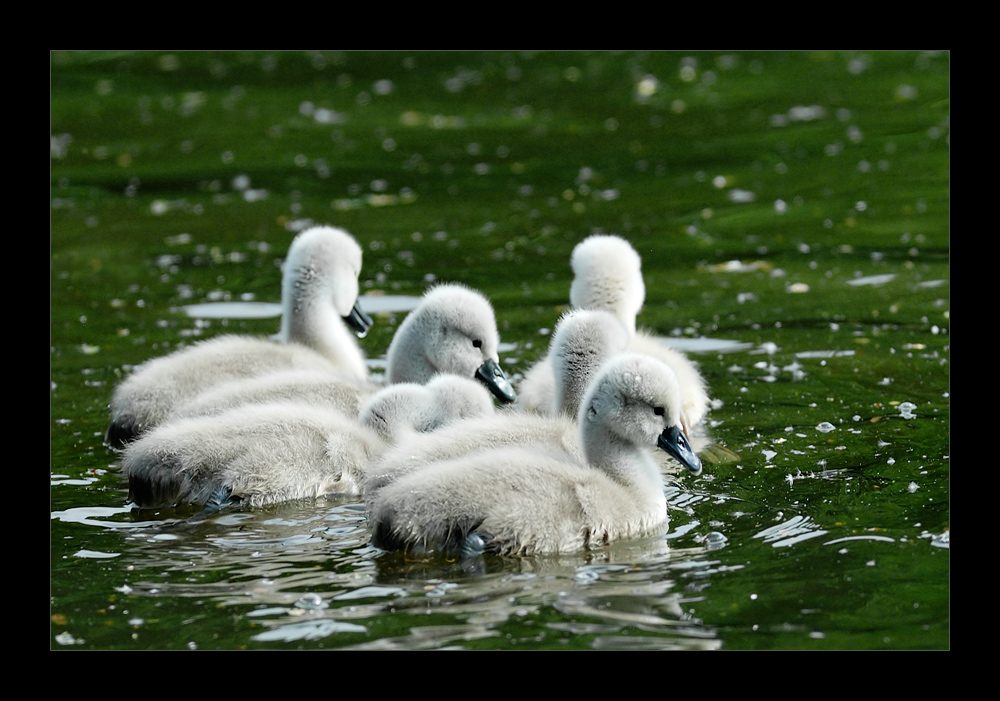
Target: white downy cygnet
[(526, 500), (607, 275), (268, 453), (319, 300), (454, 330)]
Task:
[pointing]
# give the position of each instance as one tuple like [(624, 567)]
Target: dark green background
[(487, 168)]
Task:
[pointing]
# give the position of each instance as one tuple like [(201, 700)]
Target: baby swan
[(454, 329), (582, 341), (319, 301), (607, 275), (268, 453), (515, 501)]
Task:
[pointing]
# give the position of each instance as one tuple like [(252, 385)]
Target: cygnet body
[(267, 453), (319, 301), (316, 387), (607, 275), (521, 500)]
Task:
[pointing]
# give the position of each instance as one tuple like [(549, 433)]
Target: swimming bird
[(319, 302), (526, 500), (453, 329), (268, 453), (607, 275)]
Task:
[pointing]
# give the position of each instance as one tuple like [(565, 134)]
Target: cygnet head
[(321, 271), (607, 275), (634, 399), (582, 341), (408, 406), (453, 330)]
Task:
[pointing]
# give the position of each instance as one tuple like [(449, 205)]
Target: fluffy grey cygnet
[(319, 300), (454, 330), (525, 500)]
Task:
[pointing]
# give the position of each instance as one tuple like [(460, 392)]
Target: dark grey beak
[(676, 444), (358, 320), (490, 374)]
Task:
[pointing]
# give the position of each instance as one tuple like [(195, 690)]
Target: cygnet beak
[(676, 444), (358, 320), (490, 374)]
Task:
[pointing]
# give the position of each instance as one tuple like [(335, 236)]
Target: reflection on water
[(300, 573), (790, 532), (372, 304), (705, 345)]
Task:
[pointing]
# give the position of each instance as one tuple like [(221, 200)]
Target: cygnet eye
[(658, 410), (477, 343)]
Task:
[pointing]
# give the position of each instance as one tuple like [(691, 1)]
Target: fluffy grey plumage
[(268, 453), (524, 500), (319, 290), (453, 330)]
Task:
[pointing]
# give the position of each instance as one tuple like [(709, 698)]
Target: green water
[(796, 203)]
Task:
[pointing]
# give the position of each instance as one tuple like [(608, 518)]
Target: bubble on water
[(826, 427), (647, 87), (737, 195), (712, 541), (328, 116), (311, 602), (66, 638)]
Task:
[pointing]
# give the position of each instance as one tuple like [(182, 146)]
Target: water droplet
[(311, 602)]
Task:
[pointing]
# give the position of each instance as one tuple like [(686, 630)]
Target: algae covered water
[(792, 213)]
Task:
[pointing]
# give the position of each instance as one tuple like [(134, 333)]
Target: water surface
[(792, 213)]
